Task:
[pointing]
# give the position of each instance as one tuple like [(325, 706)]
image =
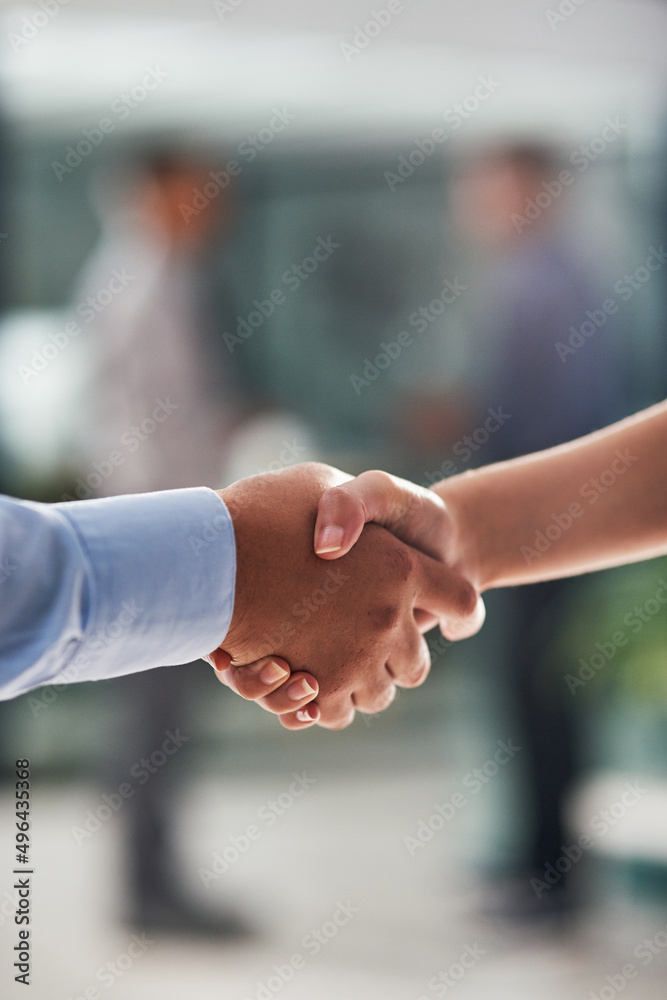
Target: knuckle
[(244, 683), (466, 599), (384, 617), (402, 563), (416, 672), (383, 699), (376, 480), (338, 494), (338, 722)]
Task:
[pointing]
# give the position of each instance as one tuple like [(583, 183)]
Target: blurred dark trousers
[(545, 713)]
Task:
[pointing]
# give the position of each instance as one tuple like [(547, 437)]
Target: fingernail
[(272, 672), (300, 689), (330, 540), (219, 660), (308, 714)]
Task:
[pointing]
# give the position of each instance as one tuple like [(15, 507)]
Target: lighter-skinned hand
[(416, 515)]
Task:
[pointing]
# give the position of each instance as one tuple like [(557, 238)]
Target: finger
[(377, 702), (410, 660), (336, 711), (413, 514), (464, 628), (444, 592), (252, 680), (337, 722), (424, 620), (341, 516), (301, 689), (343, 510), (218, 659), (303, 719), (374, 687)]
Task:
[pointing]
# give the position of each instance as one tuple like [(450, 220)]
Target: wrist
[(472, 533), (239, 631), (273, 518)]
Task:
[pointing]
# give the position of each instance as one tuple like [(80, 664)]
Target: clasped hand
[(314, 637)]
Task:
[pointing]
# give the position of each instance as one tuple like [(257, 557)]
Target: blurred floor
[(334, 862)]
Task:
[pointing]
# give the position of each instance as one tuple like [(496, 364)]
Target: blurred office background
[(412, 868)]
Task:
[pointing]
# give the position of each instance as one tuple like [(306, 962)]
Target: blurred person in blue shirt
[(539, 294)]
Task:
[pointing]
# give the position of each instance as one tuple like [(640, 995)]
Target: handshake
[(336, 579), (330, 608), (343, 603)]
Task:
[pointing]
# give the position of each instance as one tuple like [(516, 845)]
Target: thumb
[(416, 516)]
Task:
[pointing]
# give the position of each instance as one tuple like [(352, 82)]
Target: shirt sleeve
[(100, 588)]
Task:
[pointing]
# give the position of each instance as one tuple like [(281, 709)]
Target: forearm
[(596, 502)]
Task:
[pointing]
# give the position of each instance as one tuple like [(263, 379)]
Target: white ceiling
[(226, 74)]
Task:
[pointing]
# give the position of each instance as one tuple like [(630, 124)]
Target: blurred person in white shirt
[(160, 412)]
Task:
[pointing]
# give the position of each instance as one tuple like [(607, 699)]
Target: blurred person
[(163, 394), (537, 291), (539, 284), (163, 404)]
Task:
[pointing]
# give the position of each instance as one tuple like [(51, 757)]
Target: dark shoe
[(522, 900), (181, 918)]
